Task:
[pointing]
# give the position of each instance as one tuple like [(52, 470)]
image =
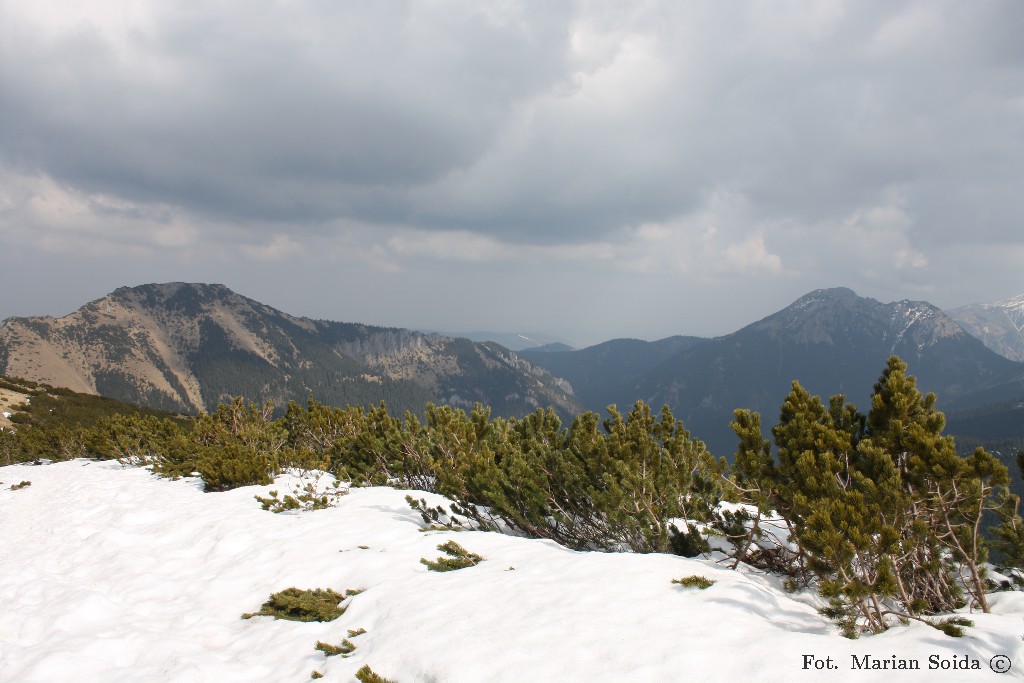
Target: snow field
[(110, 574)]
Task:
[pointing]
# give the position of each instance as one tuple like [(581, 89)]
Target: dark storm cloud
[(503, 119), (282, 115)]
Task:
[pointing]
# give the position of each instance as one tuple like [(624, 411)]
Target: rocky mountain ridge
[(998, 324), (185, 347)]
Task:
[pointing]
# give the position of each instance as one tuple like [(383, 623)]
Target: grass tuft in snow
[(24, 484), (458, 558), (358, 632), (316, 674), (295, 604), (695, 581)]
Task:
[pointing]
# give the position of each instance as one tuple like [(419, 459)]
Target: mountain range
[(830, 340), (998, 324), (184, 347)]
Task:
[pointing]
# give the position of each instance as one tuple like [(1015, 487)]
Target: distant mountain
[(554, 347), (998, 324), (609, 372), (832, 341), (514, 341), (184, 347)]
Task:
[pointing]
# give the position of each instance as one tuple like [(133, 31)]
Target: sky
[(589, 170)]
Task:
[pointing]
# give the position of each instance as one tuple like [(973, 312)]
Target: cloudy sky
[(586, 169)]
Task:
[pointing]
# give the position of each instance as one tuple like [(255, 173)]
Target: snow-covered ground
[(110, 574)]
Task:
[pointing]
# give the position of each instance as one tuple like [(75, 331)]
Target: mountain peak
[(167, 291), (187, 346), (826, 298), (831, 293), (838, 316)]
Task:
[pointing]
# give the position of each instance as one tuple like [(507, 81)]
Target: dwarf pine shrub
[(11, 448), (953, 626), (233, 465), (307, 494), (367, 675), (134, 440), (346, 648), (695, 581), (458, 558), (295, 604), (1008, 537), (689, 543), (436, 518), (612, 485), (885, 515)]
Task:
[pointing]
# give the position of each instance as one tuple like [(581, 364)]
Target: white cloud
[(912, 30), (447, 246), (879, 236), (38, 211), (721, 240), (752, 256), (278, 248)]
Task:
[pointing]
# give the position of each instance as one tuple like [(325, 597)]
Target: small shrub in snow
[(233, 465), (695, 581), (366, 675), (458, 558), (436, 518), (307, 494), (316, 674), (354, 633), (294, 604), (24, 484), (275, 503), (346, 648), (952, 626), (236, 445)]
